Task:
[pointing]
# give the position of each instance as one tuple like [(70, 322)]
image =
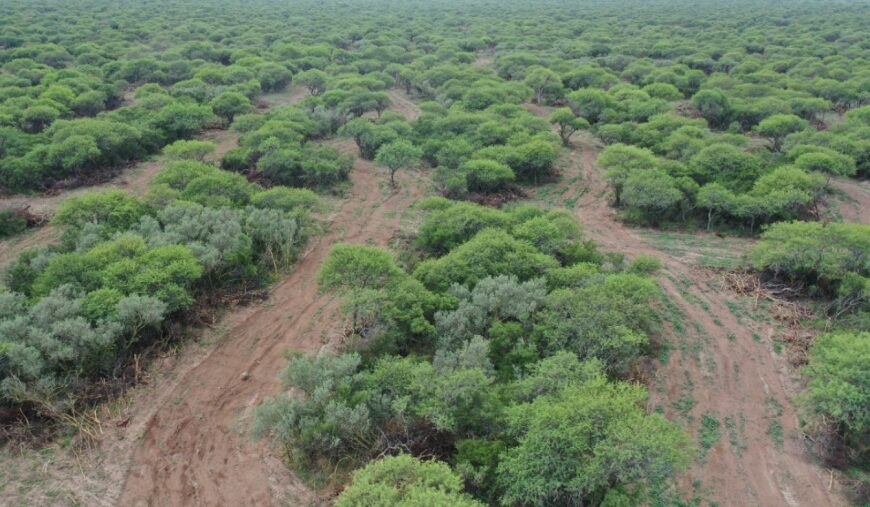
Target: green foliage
[(645, 265), (490, 252), (189, 150), (404, 481), (12, 223), (589, 444), (376, 289), (778, 126), (179, 120), (229, 104), (826, 255), (620, 161), (607, 321), (444, 229), (839, 383), (568, 123), (714, 106), (286, 199), (653, 191), (313, 166), (487, 176), (398, 155), (113, 209)]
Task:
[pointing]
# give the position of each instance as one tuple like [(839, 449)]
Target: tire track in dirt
[(722, 362), (195, 449)]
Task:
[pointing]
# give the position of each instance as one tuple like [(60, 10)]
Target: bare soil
[(855, 207), (402, 104), (719, 360)]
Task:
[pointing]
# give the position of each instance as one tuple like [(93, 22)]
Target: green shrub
[(487, 176), (403, 480), (12, 223)]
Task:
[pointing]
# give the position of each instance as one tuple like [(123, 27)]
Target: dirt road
[(195, 450), (722, 377)]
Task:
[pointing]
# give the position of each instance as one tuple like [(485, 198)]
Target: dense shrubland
[(503, 343), (507, 346), (127, 268)]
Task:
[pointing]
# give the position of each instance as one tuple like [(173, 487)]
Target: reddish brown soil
[(725, 363), (292, 95), (195, 450), (855, 208), (404, 105)]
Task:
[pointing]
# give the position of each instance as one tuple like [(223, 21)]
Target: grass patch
[(775, 432), (665, 352), (705, 249), (774, 428), (735, 432), (709, 434), (686, 401)]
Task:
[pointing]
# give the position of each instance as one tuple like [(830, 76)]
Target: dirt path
[(194, 450), (855, 208), (135, 178), (484, 59), (404, 105), (720, 374)]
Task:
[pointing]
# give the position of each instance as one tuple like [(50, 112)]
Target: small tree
[(568, 123), (400, 154), (179, 120), (716, 198), (620, 161), (228, 104), (590, 103), (545, 83), (714, 106), (590, 444), (653, 191), (355, 271), (778, 126), (487, 175), (314, 80), (828, 162)]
